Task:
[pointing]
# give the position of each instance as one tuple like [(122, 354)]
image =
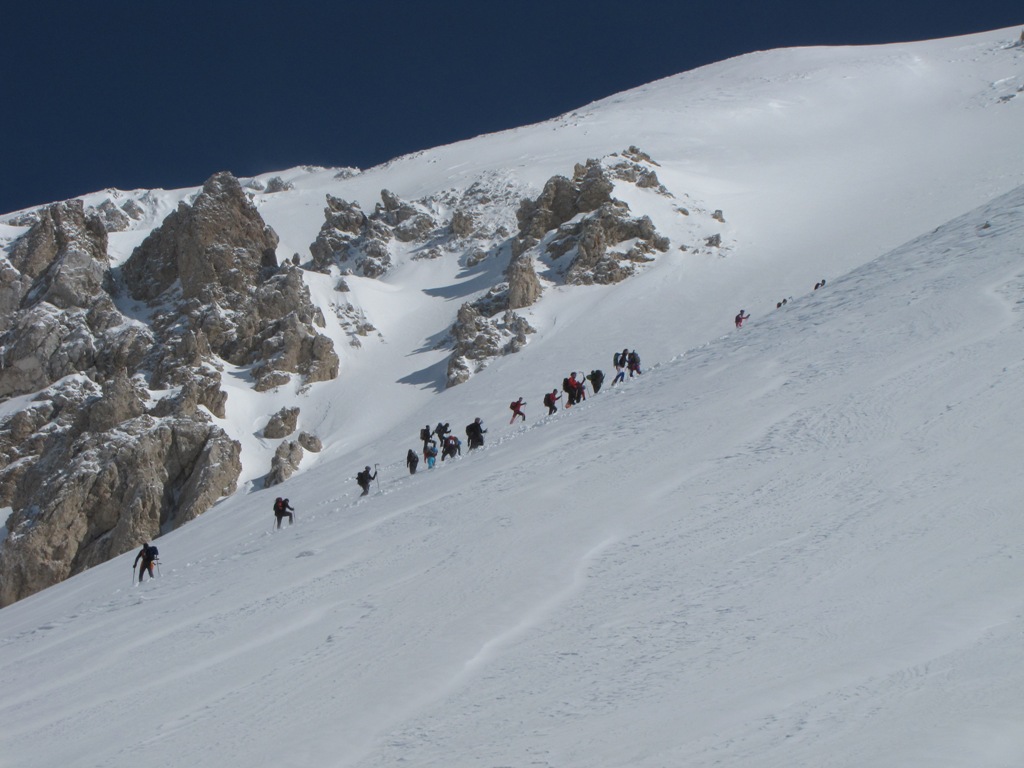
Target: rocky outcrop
[(285, 462), (114, 219), (282, 423), (213, 251), (212, 268), (310, 442), (360, 243), (524, 286), (593, 239), (350, 239), (59, 318), (478, 339), (277, 184), (580, 218), (94, 463), (89, 475)]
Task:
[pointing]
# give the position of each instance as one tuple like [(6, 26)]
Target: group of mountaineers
[(574, 387)]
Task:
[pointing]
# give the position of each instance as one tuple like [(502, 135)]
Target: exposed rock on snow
[(90, 475), (114, 219), (310, 442), (351, 240), (580, 217), (214, 267), (478, 339), (93, 465), (286, 460), (277, 184), (59, 318), (282, 423)]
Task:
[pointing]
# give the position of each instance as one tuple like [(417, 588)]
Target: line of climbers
[(743, 316), (574, 387), (784, 302)]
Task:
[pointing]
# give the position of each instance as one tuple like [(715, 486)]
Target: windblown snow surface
[(795, 544)]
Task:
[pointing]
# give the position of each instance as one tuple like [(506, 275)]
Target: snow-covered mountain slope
[(820, 159), (797, 544)]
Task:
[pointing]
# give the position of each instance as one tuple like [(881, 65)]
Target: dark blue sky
[(140, 94)]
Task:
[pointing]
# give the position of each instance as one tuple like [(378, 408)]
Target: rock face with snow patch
[(90, 474), (360, 243), (349, 238), (580, 218), (282, 423), (211, 267), (479, 338), (285, 462), (92, 465), (58, 315)]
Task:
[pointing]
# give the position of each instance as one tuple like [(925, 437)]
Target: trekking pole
[(376, 475), (133, 574), (158, 571)]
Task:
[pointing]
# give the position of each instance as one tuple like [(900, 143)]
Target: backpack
[(566, 386), (514, 404), (279, 505), (616, 360), (152, 552), (424, 434), (547, 399)]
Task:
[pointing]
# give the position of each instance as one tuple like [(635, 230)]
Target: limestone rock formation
[(285, 462), (310, 442), (60, 318), (213, 250), (350, 239), (282, 423), (213, 266), (479, 339), (524, 286), (90, 475), (95, 463), (277, 184), (114, 219), (580, 217)]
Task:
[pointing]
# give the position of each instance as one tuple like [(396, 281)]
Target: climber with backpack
[(596, 379), (412, 461), (148, 555), (364, 478), (517, 409), (619, 361), (550, 399), (283, 509), (633, 363), (430, 453), (475, 433), (441, 430), (452, 446)]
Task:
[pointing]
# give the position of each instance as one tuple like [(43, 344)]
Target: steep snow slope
[(797, 544), (821, 159)]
